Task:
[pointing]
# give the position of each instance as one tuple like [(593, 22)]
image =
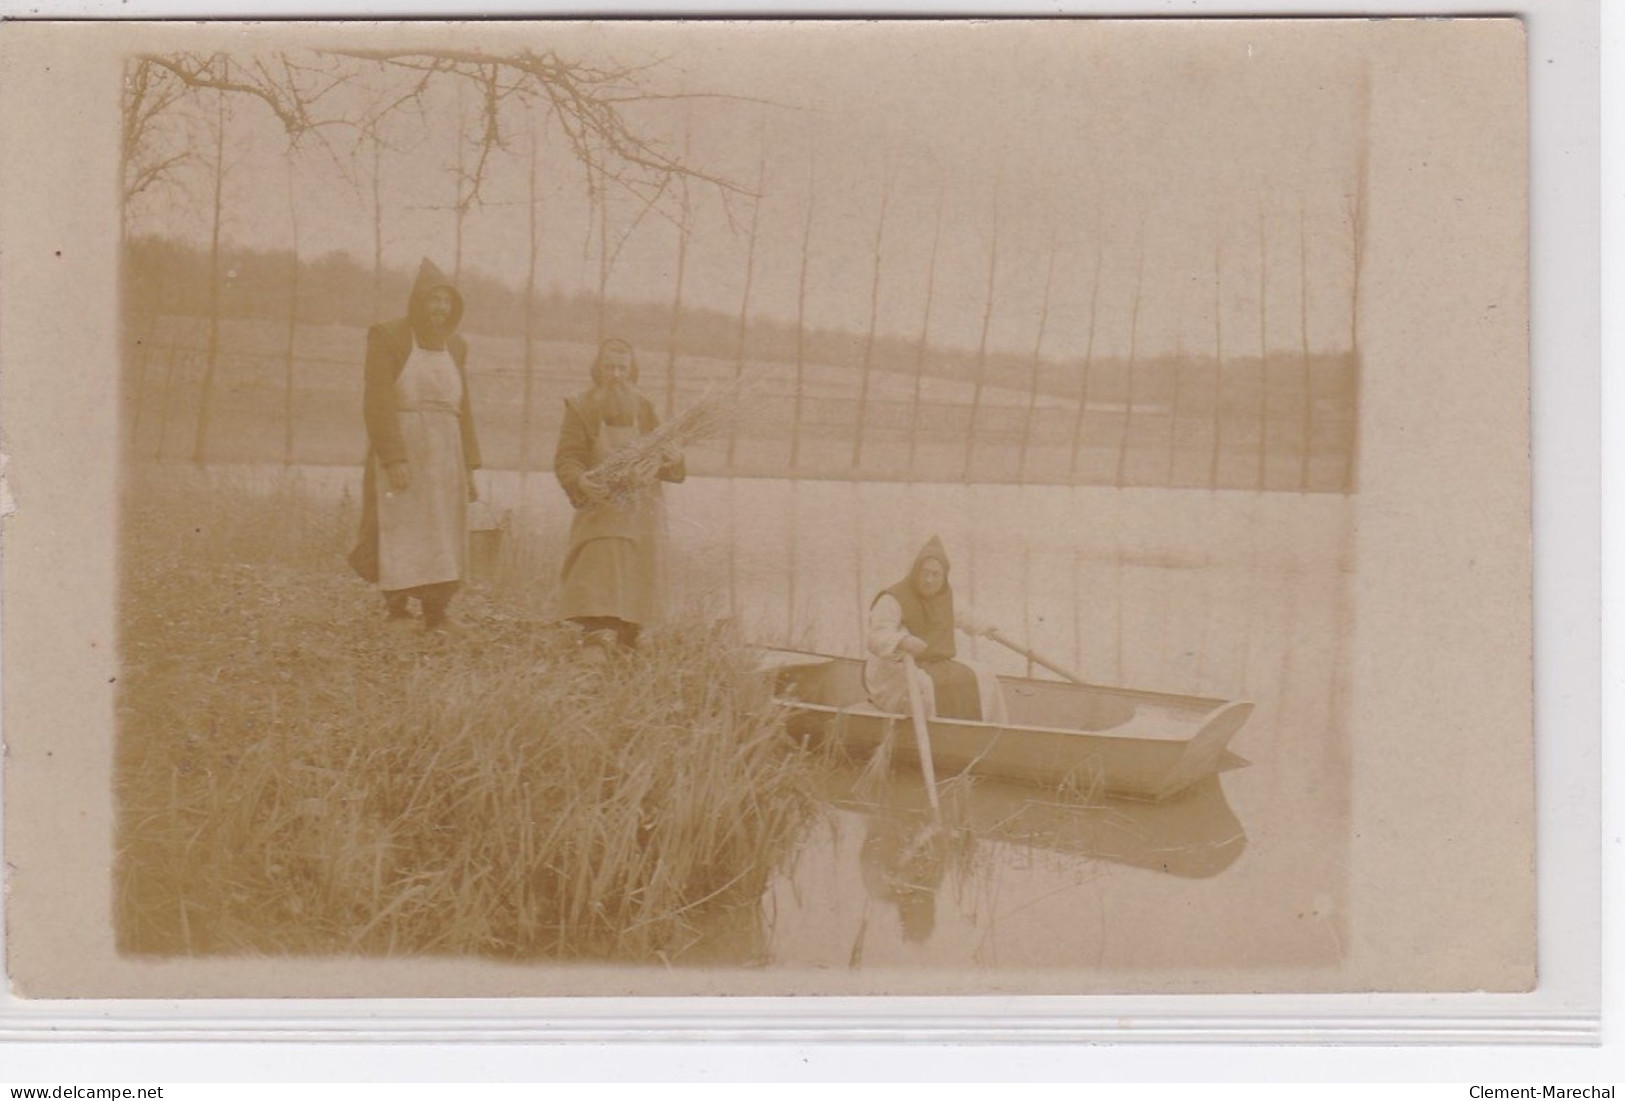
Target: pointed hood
[(430, 278), (933, 549), (927, 617)]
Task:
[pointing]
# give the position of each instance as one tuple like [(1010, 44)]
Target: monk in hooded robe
[(613, 576), (422, 454), (917, 616)]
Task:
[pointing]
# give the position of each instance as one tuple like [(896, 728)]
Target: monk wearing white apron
[(421, 454), (423, 527)]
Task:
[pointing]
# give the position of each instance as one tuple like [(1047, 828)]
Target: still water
[(1240, 595)]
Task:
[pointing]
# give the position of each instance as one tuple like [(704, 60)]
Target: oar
[(1036, 659), (922, 735)]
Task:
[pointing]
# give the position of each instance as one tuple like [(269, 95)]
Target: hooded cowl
[(431, 278), (930, 619)]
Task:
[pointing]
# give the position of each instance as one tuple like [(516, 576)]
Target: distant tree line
[(164, 276), (1304, 404)]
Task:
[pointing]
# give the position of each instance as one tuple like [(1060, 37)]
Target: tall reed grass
[(296, 775)]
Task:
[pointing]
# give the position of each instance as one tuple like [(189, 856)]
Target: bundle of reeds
[(628, 470)]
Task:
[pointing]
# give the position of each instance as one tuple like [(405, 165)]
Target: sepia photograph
[(774, 508)]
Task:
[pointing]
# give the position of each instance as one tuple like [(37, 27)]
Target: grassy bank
[(296, 775)]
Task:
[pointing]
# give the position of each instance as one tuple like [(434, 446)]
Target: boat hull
[(1084, 738)]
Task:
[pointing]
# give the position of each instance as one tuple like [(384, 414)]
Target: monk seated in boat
[(916, 617)]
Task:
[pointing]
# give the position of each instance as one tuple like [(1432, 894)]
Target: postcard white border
[(1563, 49)]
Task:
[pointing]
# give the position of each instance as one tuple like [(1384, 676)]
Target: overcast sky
[(1138, 148)]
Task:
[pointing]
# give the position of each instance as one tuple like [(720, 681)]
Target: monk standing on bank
[(421, 456), (612, 580)]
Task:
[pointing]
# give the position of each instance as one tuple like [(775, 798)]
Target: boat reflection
[(909, 889), (1193, 835)]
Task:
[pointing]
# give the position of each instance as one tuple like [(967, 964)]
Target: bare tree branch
[(215, 73), (586, 102), (149, 96)]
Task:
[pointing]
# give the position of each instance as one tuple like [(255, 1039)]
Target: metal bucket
[(487, 531)]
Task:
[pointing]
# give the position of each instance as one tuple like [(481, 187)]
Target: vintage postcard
[(766, 507)]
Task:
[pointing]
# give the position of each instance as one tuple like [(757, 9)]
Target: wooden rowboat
[(1115, 741)]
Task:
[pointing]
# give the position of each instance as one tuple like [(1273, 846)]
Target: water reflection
[(957, 875), (1193, 835), (965, 891), (902, 862)]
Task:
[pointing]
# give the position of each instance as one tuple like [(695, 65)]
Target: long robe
[(614, 567), (390, 345)]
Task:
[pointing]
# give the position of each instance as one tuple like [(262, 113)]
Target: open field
[(1190, 424), (297, 776)]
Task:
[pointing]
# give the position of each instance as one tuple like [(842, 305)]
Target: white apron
[(423, 529)]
